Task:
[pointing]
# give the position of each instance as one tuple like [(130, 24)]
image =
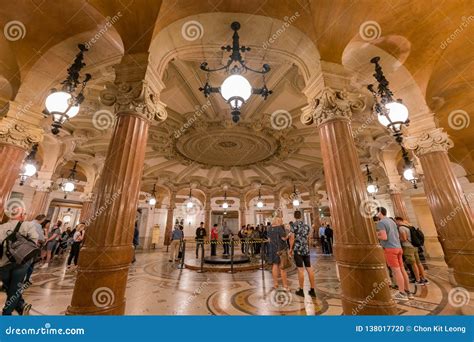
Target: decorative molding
[(435, 140), (43, 185), (14, 133), (330, 105)]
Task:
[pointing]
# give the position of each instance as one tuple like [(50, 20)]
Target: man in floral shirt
[(299, 245)]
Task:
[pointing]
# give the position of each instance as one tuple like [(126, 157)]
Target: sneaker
[(425, 281), (312, 293), (420, 283), (299, 292), (409, 295), (25, 311), (400, 296)]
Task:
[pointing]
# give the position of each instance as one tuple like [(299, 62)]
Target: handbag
[(285, 261), (20, 249)]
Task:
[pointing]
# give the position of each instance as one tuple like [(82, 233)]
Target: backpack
[(18, 248), (417, 237)]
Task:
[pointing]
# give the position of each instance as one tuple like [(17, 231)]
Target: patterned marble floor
[(158, 287)]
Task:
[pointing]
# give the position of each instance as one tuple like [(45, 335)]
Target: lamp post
[(29, 167), (64, 104), (235, 89)]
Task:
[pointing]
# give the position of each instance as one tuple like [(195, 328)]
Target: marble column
[(207, 214), (242, 210), (360, 259), (169, 219), (87, 210), (39, 204), (399, 206), (107, 254), (448, 205), (15, 140)]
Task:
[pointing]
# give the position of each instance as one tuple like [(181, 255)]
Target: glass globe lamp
[(296, 202), (61, 105), (68, 187), (236, 86), (259, 204), (152, 201)]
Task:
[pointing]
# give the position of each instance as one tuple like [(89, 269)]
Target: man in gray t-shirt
[(393, 239)]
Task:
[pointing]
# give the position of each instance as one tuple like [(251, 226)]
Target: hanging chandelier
[(409, 171), (391, 113), (372, 187), (152, 200), (260, 203), (70, 184), (225, 204), (64, 104), (29, 167), (296, 198), (190, 203), (235, 89)]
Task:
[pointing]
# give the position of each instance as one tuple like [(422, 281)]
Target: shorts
[(302, 259), (411, 255), (394, 257), (51, 245)]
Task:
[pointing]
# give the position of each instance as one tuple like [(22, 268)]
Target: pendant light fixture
[(64, 104), (296, 198), (260, 203), (152, 200), (29, 167), (69, 186), (235, 89), (225, 205), (409, 171), (190, 203), (372, 187)]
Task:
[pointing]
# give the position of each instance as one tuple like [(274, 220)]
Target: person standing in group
[(200, 235), (45, 227), (410, 251), (299, 246), (51, 243), (37, 223), (176, 236), (226, 235), (277, 242), (241, 234), (322, 239), (11, 273), (387, 232), (214, 239), (328, 233), (76, 245)]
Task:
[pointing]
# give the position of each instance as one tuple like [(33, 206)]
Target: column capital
[(331, 104), (435, 140), (13, 132), (43, 185), (87, 196)]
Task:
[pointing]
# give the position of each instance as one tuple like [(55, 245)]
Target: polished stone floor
[(158, 287)]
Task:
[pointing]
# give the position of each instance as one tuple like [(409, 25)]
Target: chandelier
[(70, 184), (235, 89), (63, 104), (392, 114), (260, 203), (372, 187), (190, 203), (152, 200), (296, 198), (29, 167), (225, 204), (409, 172)]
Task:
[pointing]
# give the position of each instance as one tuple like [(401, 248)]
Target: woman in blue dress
[(276, 242)]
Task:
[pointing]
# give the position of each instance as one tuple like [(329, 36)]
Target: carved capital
[(396, 188), (134, 97), (433, 141), (43, 185), (15, 133), (330, 105)]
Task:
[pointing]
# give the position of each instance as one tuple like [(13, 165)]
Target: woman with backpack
[(410, 242)]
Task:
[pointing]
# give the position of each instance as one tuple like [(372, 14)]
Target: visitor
[(387, 232), (177, 236), (45, 226), (214, 239), (76, 245), (226, 234), (241, 235), (51, 243), (39, 219), (277, 242), (257, 239), (200, 235), (322, 239), (299, 247), (136, 235), (410, 251), (328, 233), (12, 274)]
